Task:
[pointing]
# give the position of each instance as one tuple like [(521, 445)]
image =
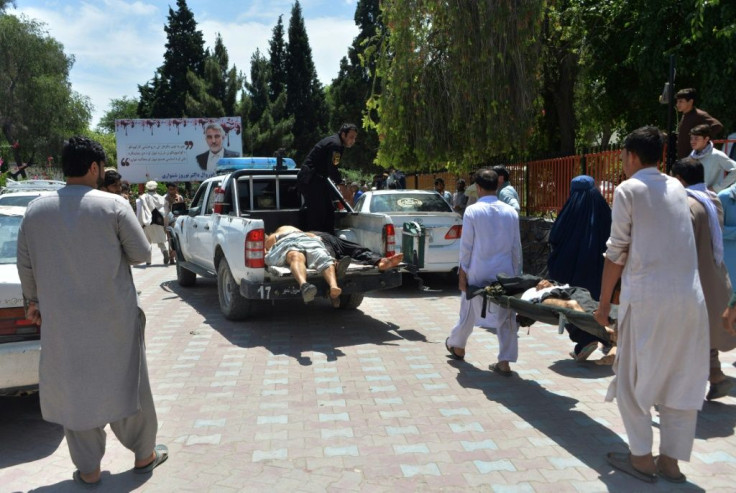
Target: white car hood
[(11, 294)]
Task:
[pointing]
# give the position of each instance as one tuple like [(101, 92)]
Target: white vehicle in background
[(20, 193), (20, 340), (433, 228)]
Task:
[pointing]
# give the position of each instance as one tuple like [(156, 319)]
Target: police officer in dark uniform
[(322, 163)]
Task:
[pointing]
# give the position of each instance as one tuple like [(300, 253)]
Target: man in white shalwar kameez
[(663, 343), (75, 249), (490, 245)]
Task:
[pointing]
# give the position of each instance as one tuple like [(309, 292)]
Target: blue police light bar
[(230, 164)]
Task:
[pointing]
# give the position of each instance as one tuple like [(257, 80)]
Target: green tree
[(4, 4), (277, 61), (166, 95), (120, 108), (267, 126), (352, 88), (38, 108), (305, 97), (459, 81)]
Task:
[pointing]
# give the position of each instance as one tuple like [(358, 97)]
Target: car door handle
[(194, 225), (207, 227)]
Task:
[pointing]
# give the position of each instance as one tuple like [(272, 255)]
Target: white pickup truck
[(221, 235)]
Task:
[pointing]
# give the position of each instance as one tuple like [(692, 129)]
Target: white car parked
[(442, 226), (20, 340)]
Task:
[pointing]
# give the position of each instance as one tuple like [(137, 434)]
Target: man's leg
[(638, 426), (508, 339), (138, 432), (469, 312), (86, 449), (297, 263), (164, 252), (677, 434)]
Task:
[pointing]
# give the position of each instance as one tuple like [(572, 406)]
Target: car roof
[(386, 192), (12, 210), (32, 185)]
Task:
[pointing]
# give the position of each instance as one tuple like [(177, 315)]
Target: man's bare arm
[(611, 275)]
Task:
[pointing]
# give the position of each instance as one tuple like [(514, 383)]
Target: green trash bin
[(413, 237)]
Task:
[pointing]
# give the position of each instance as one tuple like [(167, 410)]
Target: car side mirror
[(194, 211)]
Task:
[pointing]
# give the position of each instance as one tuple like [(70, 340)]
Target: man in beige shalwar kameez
[(707, 217), (75, 249), (663, 341)]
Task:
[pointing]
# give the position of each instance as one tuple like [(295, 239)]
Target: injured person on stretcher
[(328, 254), (568, 306)]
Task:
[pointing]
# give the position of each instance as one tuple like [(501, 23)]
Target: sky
[(117, 44)]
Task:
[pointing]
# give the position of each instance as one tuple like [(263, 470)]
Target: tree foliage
[(459, 80), (166, 95), (277, 61), (38, 108), (353, 86), (267, 126), (120, 108), (305, 97)]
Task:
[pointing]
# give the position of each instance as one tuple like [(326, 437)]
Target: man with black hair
[(707, 217), (685, 100), (78, 286), (490, 245), (662, 357), (719, 170), (322, 163), (506, 192)]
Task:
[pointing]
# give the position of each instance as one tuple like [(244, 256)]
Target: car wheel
[(350, 301), (232, 303), (185, 277)]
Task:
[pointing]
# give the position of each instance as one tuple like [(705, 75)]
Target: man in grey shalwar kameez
[(75, 249), (663, 346)]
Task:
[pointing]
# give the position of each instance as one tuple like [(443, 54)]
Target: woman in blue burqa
[(578, 242)]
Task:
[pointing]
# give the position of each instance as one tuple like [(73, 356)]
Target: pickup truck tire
[(185, 277), (350, 301), (232, 303)]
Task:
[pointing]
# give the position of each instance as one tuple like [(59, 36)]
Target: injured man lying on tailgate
[(327, 254)]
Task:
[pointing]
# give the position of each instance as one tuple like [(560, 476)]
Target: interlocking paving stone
[(310, 399)]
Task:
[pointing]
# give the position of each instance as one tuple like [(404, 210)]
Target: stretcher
[(506, 293)]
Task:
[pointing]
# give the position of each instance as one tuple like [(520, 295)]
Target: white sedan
[(20, 344), (439, 227)]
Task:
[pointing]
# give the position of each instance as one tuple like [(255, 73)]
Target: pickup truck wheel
[(185, 277), (232, 303), (350, 301)]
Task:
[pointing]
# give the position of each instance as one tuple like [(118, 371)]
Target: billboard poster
[(175, 149)]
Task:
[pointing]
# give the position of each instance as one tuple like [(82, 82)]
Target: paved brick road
[(311, 399)]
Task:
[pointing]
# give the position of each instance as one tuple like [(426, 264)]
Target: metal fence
[(544, 185)]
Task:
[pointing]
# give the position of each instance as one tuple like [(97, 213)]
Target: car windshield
[(9, 238), (409, 202), (17, 200)]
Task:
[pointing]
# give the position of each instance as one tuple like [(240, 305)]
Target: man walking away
[(77, 285), (144, 207), (663, 346), (490, 245)]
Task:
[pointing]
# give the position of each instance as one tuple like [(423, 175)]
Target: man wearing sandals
[(490, 245), (663, 346), (78, 286)]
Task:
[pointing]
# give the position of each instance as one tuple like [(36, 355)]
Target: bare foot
[(644, 463), (612, 334), (390, 262), (91, 477), (668, 466), (335, 297), (146, 461)]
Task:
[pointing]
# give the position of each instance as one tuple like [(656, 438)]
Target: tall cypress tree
[(165, 96), (353, 85), (305, 96), (277, 54), (215, 93)]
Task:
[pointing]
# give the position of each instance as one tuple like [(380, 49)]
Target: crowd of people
[(665, 254)]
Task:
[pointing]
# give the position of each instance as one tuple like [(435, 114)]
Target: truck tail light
[(13, 322), (219, 204), (454, 232), (254, 249), (389, 239)]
